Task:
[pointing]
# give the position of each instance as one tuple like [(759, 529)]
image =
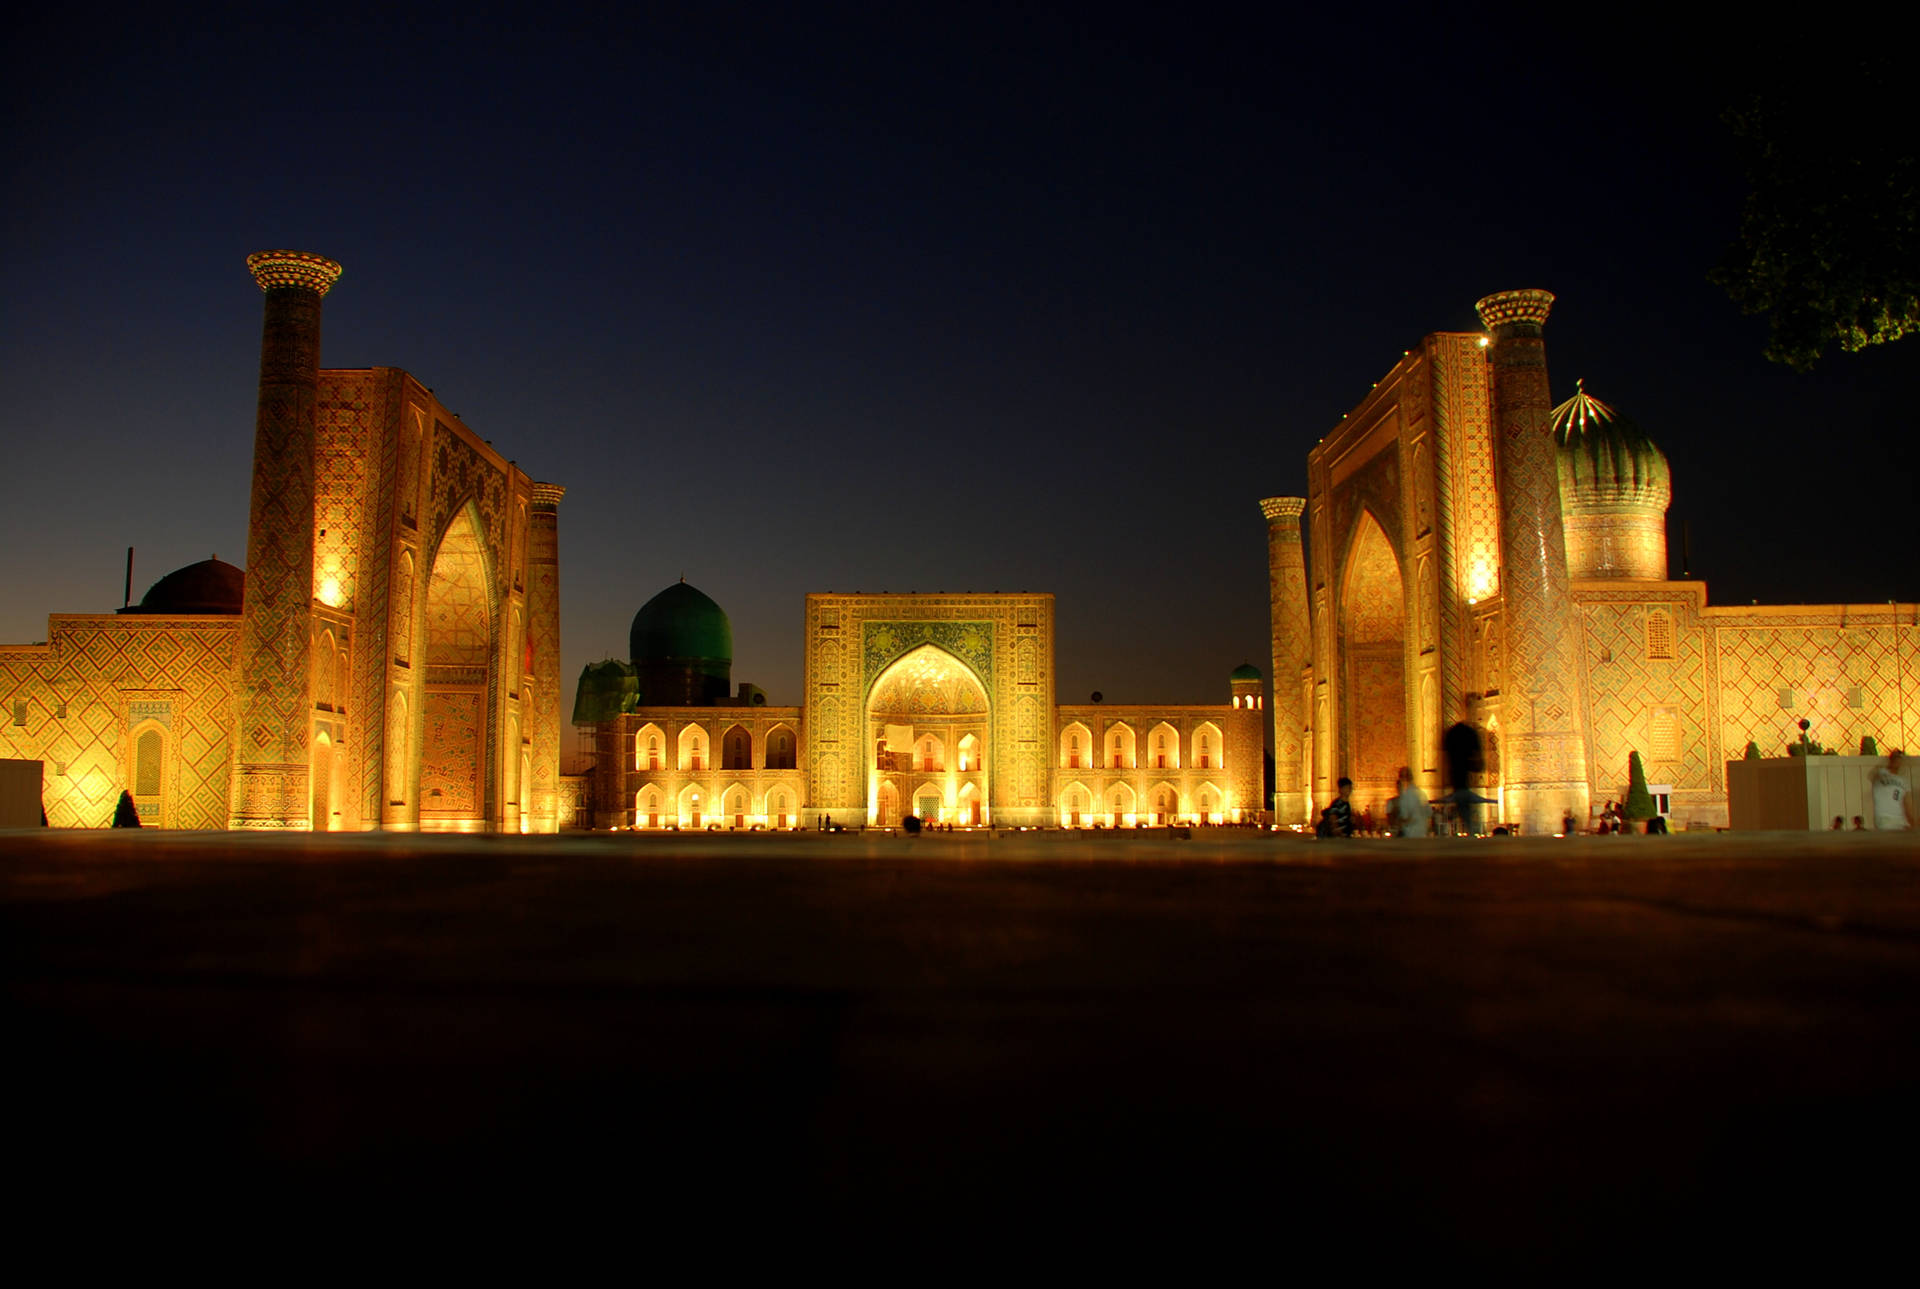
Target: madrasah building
[(389, 660), (1470, 537)]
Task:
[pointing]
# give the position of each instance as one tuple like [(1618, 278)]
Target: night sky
[(972, 299)]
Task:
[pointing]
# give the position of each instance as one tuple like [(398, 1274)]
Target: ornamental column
[(543, 642), (1543, 758), (1292, 651), (273, 704)]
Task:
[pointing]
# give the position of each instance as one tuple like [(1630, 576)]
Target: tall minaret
[(543, 623), (1292, 648), (1543, 760), (273, 704)]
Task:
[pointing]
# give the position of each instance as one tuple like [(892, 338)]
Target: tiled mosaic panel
[(451, 763), (103, 670), (1624, 687), (1823, 663)]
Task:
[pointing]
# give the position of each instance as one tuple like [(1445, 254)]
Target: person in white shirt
[(1411, 813), (1892, 795)]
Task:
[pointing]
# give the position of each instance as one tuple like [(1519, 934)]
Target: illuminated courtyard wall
[(112, 702), (395, 664), (1405, 489)]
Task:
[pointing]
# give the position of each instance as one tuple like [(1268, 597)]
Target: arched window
[(780, 752), (1076, 740), (1164, 743), (969, 753), (693, 748), (736, 749), (930, 754), (146, 765), (1206, 746), (1120, 747), (647, 744)]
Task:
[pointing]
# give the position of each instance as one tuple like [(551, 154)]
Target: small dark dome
[(1245, 671), (681, 622), (211, 586)]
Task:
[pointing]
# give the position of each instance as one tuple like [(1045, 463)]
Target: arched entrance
[(1373, 647), (457, 661), (924, 704)]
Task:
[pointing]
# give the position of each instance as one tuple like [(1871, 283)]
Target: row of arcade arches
[(1161, 746), (1119, 806), (692, 749), (736, 806)]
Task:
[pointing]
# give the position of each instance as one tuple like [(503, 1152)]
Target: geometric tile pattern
[(1624, 688), (113, 673), (1005, 640), (1544, 771), (543, 642), (1292, 654), (1822, 655), (273, 722)]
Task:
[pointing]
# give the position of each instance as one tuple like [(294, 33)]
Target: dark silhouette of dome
[(211, 586), (1245, 671), (682, 648)]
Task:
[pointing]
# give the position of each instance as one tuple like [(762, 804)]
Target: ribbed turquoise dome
[(1245, 671), (1605, 459), (681, 623)]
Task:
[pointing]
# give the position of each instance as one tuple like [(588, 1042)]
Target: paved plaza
[(1509, 1047)]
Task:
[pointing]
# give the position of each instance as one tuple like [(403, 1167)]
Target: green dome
[(1245, 671), (1605, 459), (606, 690), (680, 624)]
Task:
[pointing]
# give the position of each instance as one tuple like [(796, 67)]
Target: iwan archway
[(458, 663), (1373, 660), (928, 721)]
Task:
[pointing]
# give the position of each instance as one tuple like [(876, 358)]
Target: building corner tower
[(1543, 759), (273, 708), (1292, 652), (543, 618)]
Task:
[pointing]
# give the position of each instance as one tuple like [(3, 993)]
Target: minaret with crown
[(1292, 651), (273, 707), (1543, 756)]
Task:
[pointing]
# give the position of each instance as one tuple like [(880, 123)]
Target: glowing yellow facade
[(393, 663), (1412, 520), (939, 706)]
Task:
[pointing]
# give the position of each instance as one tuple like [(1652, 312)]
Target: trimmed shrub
[(1639, 804)]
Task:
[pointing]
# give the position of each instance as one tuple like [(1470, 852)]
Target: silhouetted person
[(1337, 819), (126, 814), (912, 824), (1840, 821), (1567, 824), (1465, 757), (1657, 826)]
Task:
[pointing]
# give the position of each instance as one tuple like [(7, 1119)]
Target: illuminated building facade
[(939, 706), (1467, 537), (389, 660)]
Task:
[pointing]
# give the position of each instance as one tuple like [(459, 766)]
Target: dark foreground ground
[(1530, 1051)]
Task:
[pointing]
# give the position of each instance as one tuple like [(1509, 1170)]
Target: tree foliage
[(1639, 802), (1829, 244)]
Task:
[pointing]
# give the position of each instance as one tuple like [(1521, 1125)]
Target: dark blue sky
[(990, 298)]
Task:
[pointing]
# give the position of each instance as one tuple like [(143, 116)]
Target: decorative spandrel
[(970, 642)]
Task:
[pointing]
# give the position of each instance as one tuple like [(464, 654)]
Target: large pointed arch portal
[(1373, 649), (457, 660), (928, 698)]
